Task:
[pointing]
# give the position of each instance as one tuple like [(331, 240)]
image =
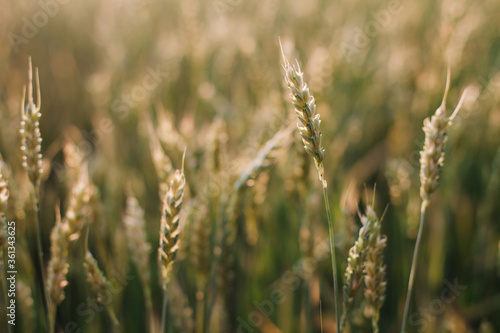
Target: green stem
[(41, 268), (164, 311), (149, 309), (334, 261), (414, 263), (200, 315)]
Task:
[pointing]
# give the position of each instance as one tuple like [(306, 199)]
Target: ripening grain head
[(170, 229), (305, 107), (432, 154), (30, 132)]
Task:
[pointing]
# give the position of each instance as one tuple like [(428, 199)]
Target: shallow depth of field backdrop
[(118, 76)]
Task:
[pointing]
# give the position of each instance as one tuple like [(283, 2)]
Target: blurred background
[(114, 72)]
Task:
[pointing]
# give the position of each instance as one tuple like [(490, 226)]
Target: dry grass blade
[(63, 234)]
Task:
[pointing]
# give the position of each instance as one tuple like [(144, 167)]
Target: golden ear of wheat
[(432, 154), (31, 139), (169, 233), (355, 267), (58, 265), (374, 268), (305, 108)]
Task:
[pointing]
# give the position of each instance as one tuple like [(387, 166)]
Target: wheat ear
[(374, 268), (431, 161), (169, 233), (62, 235), (309, 128), (31, 141), (354, 272)]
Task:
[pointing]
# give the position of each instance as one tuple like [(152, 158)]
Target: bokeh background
[(109, 69)]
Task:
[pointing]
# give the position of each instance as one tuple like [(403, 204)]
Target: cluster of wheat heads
[(204, 228), (365, 261)]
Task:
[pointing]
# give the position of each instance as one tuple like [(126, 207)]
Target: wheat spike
[(79, 208), (354, 270), (305, 108), (432, 154), (169, 233), (374, 268), (30, 132), (58, 265), (63, 234), (73, 160)]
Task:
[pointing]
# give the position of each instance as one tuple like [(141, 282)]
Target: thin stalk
[(334, 260), (307, 308), (149, 310), (39, 251), (112, 315), (164, 311), (306, 296), (200, 315), (414, 264)]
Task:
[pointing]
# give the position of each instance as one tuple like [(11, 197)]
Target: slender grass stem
[(164, 311), (200, 312), (334, 260), (39, 250), (149, 310), (414, 264)]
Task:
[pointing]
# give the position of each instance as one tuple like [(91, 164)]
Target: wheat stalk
[(63, 234), (309, 129), (138, 245), (31, 140), (431, 161), (182, 313)]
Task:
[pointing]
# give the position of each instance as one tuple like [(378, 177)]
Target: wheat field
[(188, 166)]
